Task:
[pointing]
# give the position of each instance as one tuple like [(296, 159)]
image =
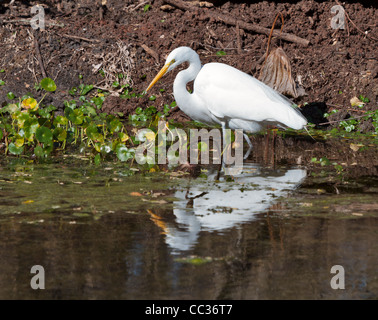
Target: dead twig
[(28, 22), (335, 121), (115, 64), (78, 38), (139, 5), (151, 52), (113, 92), (238, 40), (217, 16), (270, 38), (38, 53)]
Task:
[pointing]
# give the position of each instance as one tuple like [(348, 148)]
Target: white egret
[(227, 96)]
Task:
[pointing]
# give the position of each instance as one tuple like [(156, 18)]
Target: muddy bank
[(132, 39)]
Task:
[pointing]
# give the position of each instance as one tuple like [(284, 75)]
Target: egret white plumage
[(227, 96)]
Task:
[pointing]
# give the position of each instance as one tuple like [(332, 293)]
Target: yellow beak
[(161, 73)]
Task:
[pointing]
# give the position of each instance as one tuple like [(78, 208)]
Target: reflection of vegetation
[(324, 162), (195, 260)]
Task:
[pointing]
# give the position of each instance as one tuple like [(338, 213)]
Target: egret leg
[(249, 144), (224, 141)]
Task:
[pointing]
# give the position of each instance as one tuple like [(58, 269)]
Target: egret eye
[(171, 63)]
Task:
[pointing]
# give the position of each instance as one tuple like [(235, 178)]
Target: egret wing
[(232, 94)]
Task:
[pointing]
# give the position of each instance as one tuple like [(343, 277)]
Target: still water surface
[(104, 233)]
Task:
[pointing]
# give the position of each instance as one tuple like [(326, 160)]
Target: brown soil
[(121, 37)]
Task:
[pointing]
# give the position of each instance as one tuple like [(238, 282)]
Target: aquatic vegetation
[(30, 128)]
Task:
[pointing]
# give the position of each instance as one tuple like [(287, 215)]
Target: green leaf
[(48, 84), (115, 125), (76, 116), (221, 53), (22, 118), (90, 110), (150, 110), (146, 7), (92, 131), (60, 133), (2, 82), (60, 120), (44, 113), (124, 153), (85, 89), (70, 104), (31, 124), (324, 161), (166, 109), (15, 150), (44, 135), (38, 151), (364, 99), (10, 95), (98, 101), (97, 159), (72, 91)]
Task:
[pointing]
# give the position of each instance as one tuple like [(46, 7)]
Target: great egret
[(227, 96)]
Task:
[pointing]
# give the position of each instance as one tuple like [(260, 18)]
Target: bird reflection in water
[(219, 205)]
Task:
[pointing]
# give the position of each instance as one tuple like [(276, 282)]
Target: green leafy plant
[(10, 95), (349, 125), (364, 99), (146, 8), (48, 84), (33, 128)]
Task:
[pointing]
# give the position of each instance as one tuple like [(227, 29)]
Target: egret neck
[(187, 102)]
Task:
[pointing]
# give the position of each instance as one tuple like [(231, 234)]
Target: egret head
[(174, 59), (178, 56)]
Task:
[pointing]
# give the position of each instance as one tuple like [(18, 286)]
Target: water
[(103, 233)]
